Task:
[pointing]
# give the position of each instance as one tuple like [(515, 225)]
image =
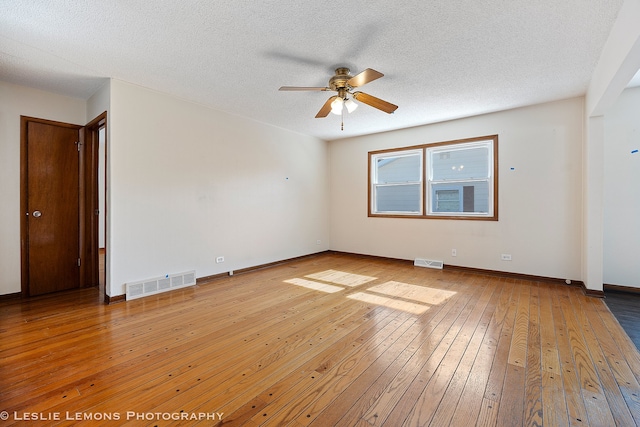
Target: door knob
[(37, 214)]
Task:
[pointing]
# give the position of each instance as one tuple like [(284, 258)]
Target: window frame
[(420, 182), (426, 185)]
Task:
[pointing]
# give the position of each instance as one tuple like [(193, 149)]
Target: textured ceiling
[(441, 59)]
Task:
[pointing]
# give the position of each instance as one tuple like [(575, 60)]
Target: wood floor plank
[(488, 413), (327, 340), (221, 374), (518, 348), (555, 412), (593, 390), (403, 399), (300, 405), (276, 378), (533, 412), (444, 382), (620, 338), (188, 346), (613, 371), (506, 319), (444, 413), (511, 408), (470, 403), (572, 390), (625, 307), (367, 391), (132, 340), (430, 351)]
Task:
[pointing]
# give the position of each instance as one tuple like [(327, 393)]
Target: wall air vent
[(421, 262), (143, 288)]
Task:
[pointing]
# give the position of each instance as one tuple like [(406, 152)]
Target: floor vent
[(147, 287), (421, 262)]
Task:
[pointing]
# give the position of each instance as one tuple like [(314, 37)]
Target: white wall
[(14, 102), (622, 191), (188, 184), (618, 62), (185, 184), (97, 104), (540, 201)]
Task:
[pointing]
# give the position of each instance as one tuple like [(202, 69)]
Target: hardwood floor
[(625, 306), (328, 340)]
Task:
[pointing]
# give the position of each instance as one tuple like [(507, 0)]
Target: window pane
[(467, 163), (448, 195), (447, 200), (398, 198), (463, 197), (398, 169)]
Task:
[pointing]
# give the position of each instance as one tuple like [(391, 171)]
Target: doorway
[(59, 205), (96, 139)]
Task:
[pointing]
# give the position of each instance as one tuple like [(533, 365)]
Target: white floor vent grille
[(421, 262), (147, 287)]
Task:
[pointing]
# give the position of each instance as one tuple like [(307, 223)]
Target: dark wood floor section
[(328, 340), (625, 307)]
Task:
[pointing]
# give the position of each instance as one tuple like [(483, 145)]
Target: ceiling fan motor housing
[(339, 81)]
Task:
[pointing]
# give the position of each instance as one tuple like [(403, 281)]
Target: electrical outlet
[(454, 252), (318, 242), (220, 259), (505, 257)]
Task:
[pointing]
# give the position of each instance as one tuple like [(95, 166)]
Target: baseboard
[(114, 299), (276, 263), (511, 275), (205, 279), (377, 257), (592, 292), (578, 283), (15, 295), (620, 288)]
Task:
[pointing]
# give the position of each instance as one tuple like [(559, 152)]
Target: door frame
[(89, 219), (88, 200)]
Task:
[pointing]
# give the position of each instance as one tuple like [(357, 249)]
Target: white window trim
[(432, 151), (374, 180)]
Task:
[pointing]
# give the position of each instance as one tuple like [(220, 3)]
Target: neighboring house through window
[(453, 179)]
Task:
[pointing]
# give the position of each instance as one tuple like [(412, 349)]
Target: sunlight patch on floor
[(316, 286), (341, 278), (396, 304), (413, 299), (424, 294)]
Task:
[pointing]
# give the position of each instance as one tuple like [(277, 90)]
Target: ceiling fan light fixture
[(343, 83), (351, 106), (336, 106)]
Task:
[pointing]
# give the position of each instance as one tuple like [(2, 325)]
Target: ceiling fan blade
[(364, 77), (326, 108), (299, 88), (378, 103)]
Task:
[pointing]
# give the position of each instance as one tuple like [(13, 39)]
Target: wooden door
[(50, 206)]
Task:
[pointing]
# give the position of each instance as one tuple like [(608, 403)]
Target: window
[(398, 182), (453, 179)]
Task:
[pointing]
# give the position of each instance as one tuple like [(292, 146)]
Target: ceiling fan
[(344, 83)]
